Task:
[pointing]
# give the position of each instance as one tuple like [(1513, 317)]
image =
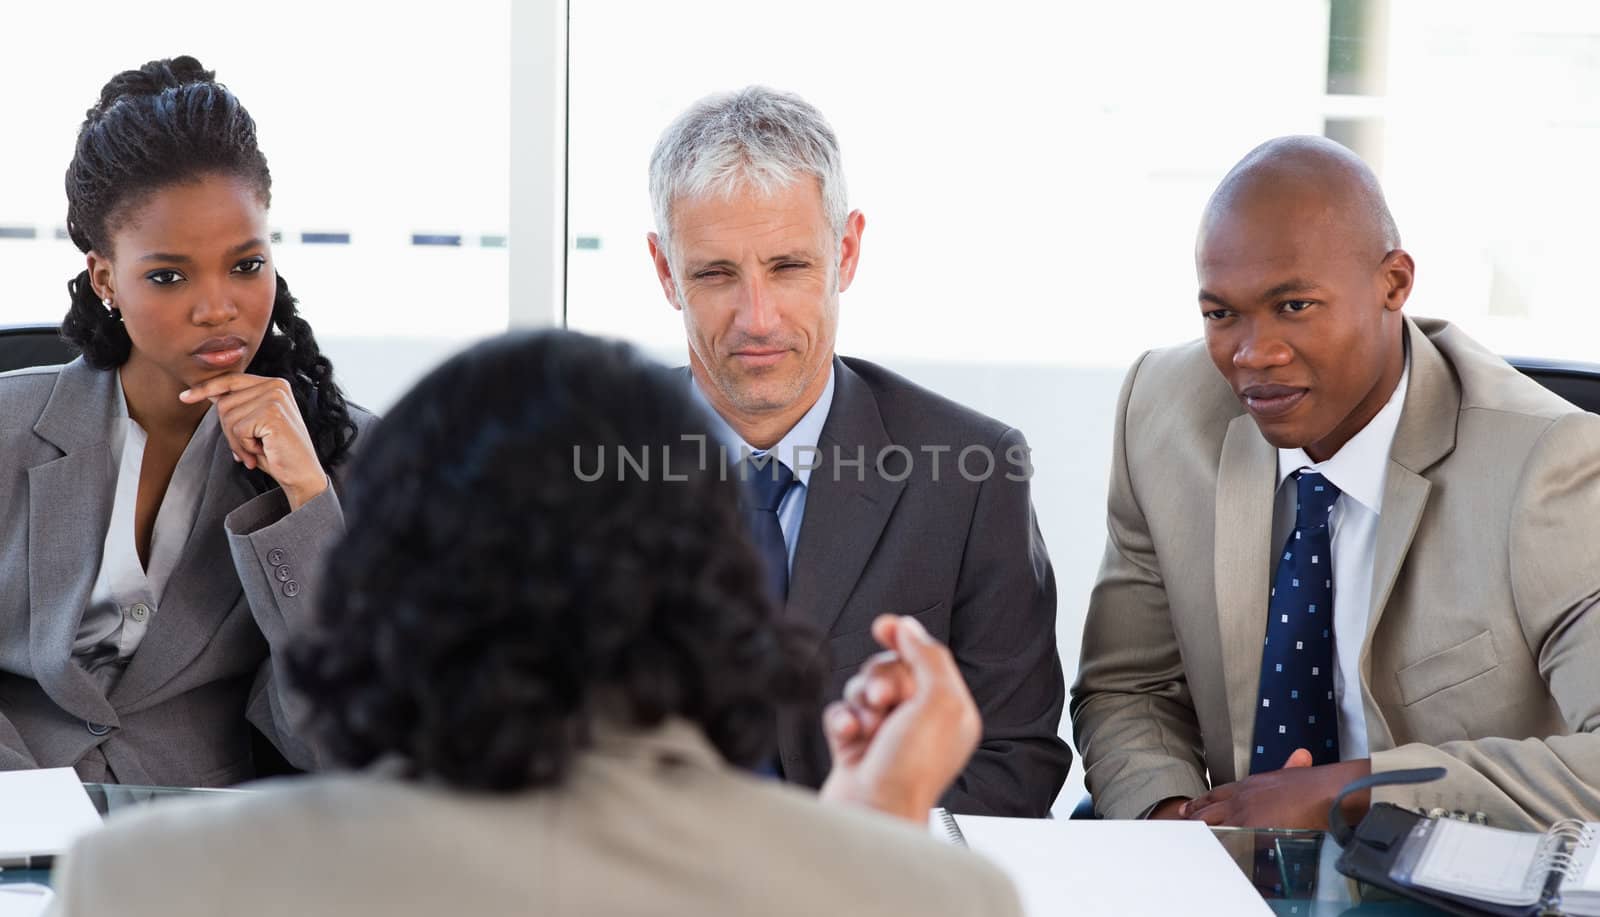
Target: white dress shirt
[(1359, 470), (126, 594), (799, 449)]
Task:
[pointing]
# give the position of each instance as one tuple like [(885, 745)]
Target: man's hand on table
[(1297, 796)]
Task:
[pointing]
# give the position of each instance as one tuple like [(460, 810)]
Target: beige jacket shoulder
[(651, 825), (1482, 653)]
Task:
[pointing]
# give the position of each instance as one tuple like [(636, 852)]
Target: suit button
[(283, 573), (275, 556), (291, 589), (97, 729), (138, 613)]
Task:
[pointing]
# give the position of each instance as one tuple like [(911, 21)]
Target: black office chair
[(32, 345), (1579, 383)]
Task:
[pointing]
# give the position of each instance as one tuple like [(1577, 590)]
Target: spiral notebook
[(1075, 868), (1501, 871)]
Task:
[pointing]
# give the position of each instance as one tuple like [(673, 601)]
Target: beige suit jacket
[(1482, 654), (650, 824)]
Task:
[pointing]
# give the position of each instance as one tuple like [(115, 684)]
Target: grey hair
[(756, 138)]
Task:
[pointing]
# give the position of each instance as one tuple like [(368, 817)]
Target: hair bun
[(152, 78)]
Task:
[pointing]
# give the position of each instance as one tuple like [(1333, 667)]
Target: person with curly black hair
[(165, 499), (558, 682)]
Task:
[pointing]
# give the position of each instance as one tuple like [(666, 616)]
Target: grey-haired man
[(870, 494)]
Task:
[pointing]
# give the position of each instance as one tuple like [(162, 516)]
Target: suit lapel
[(847, 506), (198, 598), (1246, 484), (1425, 435), (69, 505)]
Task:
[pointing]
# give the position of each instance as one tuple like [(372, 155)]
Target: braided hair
[(163, 124)]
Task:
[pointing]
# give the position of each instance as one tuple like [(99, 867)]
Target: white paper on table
[(23, 899), (1127, 868), (42, 812)]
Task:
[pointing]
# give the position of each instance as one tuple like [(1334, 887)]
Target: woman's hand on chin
[(265, 430)]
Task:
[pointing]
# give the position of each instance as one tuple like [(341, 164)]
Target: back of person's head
[(166, 124), (754, 138), (495, 598)]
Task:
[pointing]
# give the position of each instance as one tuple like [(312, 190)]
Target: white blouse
[(126, 595)]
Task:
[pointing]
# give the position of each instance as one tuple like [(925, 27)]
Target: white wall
[(1067, 414)]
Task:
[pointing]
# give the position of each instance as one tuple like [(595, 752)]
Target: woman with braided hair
[(166, 498)]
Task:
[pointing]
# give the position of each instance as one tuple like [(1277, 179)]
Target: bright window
[(386, 129), (1032, 174)]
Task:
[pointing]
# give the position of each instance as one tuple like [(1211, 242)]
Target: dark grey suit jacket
[(961, 552), (208, 666)]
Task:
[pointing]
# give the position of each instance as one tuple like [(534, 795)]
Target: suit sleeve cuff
[(1151, 790), (279, 553)]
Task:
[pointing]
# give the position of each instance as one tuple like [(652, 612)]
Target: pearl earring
[(107, 303)]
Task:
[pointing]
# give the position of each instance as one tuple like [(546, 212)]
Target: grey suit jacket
[(208, 666), (953, 546), (1482, 652), (646, 824)]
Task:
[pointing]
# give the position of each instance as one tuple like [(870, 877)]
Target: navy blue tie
[(1295, 705), (767, 480)]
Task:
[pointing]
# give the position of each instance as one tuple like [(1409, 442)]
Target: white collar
[(805, 435), (1361, 465)]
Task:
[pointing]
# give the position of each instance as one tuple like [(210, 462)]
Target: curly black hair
[(493, 599), (163, 124)]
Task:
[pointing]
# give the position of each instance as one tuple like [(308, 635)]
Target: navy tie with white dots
[(1296, 707)]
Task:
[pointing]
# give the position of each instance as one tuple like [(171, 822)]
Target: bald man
[(1340, 540)]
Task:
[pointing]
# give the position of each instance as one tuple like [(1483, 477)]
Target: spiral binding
[(1563, 854), (952, 831)]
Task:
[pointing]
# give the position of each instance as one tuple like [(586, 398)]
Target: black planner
[(1465, 868)]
